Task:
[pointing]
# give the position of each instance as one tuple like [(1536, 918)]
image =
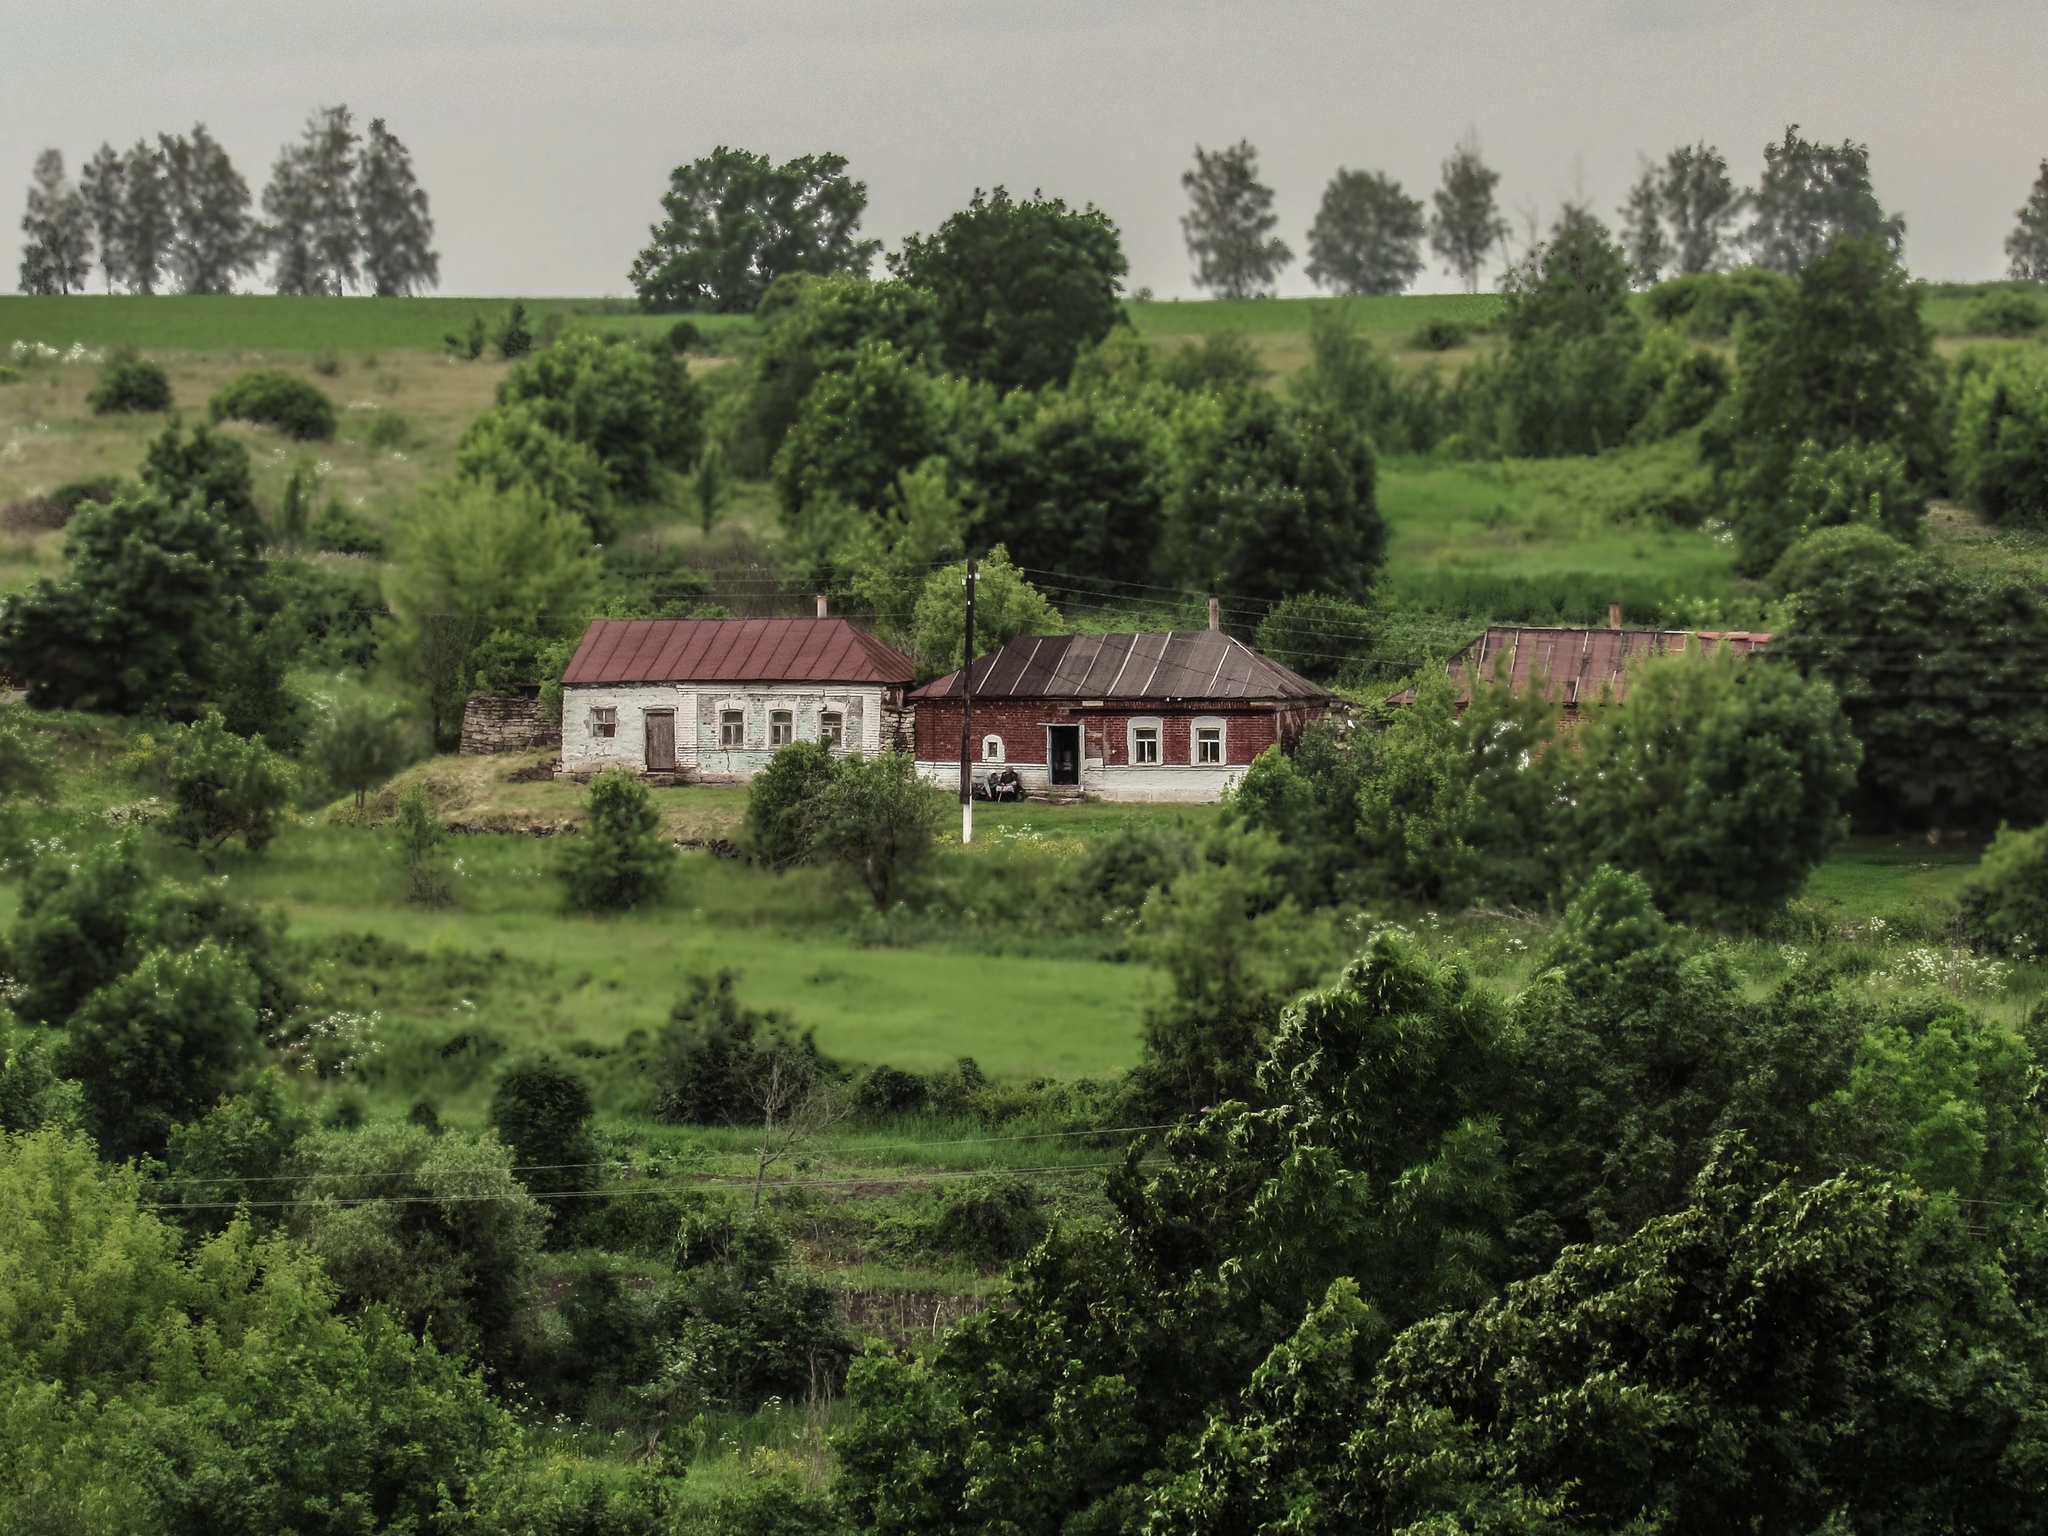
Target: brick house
[(1174, 716), (713, 699), (1578, 668)]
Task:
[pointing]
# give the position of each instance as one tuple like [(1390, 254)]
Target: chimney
[(1215, 614), (1613, 613), (821, 607)]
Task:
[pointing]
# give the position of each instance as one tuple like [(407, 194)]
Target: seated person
[(1006, 785)]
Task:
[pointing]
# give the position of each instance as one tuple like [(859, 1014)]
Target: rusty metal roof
[(1576, 665), (733, 651), (1178, 664)]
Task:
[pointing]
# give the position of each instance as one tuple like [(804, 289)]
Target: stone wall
[(497, 723)]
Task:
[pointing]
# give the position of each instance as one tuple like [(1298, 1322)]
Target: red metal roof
[(1177, 664), (1575, 664), (733, 651)]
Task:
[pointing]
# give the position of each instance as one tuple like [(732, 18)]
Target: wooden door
[(661, 741)]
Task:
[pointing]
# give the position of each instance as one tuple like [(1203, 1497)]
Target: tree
[(1006, 606), (1229, 228), (58, 255), (736, 222), (2000, 456), (1642, 230), (315, 232), (542, 1111), (619, 859), (1272, 503), (153, 1048), (208, 470), (508, 447), (1844, 358), (632, 406), (151, 597), (1699, 204), (1466, 221), (224, 786), (82, 923), (1021, 287), (1367, 237), (1721, 780), (2005, 904), (359, 744), (884, 562), (103, 187), (421, 834), (1317, 635), (782, 802), (1811, 196), (148, 223), (878, 818), (1936, 671), (394, 226), (216, 241)]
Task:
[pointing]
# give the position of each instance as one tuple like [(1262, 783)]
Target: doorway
[(661, 741), (1063, 754)]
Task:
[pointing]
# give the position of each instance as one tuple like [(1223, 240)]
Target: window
[(1144, 743), (604, 721), (732, 729), (1208, 744), (781, 728), (832, 728), (991, 749)]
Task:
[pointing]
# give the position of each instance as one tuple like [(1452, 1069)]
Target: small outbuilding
[(1160, 716), (714, 699)]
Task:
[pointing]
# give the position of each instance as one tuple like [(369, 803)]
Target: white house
[(714, 698)]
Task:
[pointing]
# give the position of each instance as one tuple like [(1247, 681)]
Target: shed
[(713, 699), (1577, 667), (1158, 716)]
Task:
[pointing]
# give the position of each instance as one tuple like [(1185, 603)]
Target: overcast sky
[(544, 132)]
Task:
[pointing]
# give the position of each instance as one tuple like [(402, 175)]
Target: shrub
[(783, 800), (359, 744), (2005, 313), (420, 836), (1117, 873), (711, 1051), (756, 1326), (684, 336), (2005, 905), (2001, 440), (1315, 634), (342, 532), (224, 786), (209, 469), (274, 399), (130, 384), (888, 1091), (82, 922), (542, 1111), (620, 859), (76, 493), (1440, 336), (514, 340), (878, 818), (992, 1219), (154, 1048), (1834, 554), (1860, 483), (388, 429)]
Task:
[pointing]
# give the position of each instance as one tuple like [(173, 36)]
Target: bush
[(154, 1048), (514, 340), (1315, 634), (388, 429), (1866, 484), (2001, 440), (359, 744), (1116, 874), (281, 400), (620, 858), (1835, 554), (712, 1050), (993, 1219), (224, 786), (542, 1111), (2005, 904), (420, 836), (130, 384), (633, 406), (783, 800), (684, 336), (342, 532), (878, 818), (1440, 336), (756, 1326), (887, 1091), (2005, 313)]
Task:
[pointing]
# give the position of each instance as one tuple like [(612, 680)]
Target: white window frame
[(1132, 739), (992, 748), (604, 721), (832, 728), (727, 718), (1209, 723), (781, 728)]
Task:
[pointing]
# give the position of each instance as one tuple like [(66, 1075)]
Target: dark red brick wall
[(1105, 732)]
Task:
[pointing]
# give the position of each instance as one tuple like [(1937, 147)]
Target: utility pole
[(967, 718)]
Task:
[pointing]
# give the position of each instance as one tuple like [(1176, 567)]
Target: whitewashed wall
[(697, 709), (1169, 783)]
